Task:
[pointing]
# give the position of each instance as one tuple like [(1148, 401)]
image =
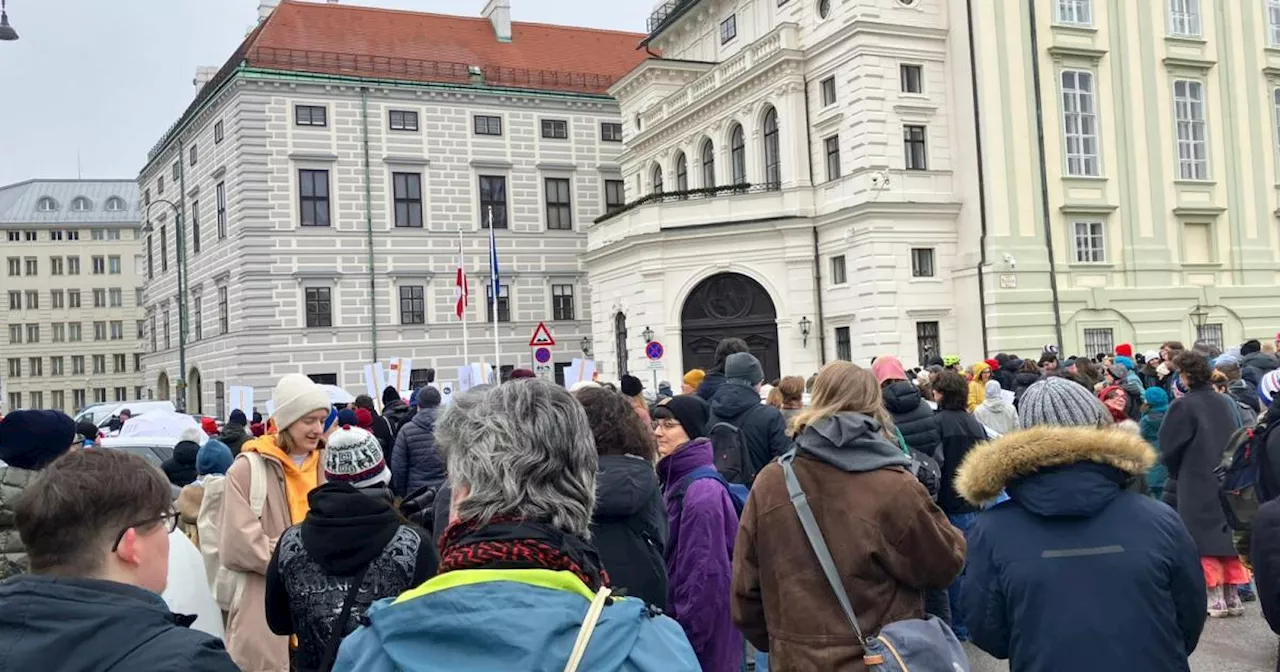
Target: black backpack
[(732, 458)]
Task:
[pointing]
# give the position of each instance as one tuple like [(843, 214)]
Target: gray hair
[(523, 450)]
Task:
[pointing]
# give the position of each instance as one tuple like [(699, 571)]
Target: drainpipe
[(368, 221), (181, 236), (817, 260), (1044, 173), (982, 183)]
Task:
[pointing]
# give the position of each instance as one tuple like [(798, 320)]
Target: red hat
[(364, 418), (520, 374), (209, 425), (1125, 350), (994, 364)]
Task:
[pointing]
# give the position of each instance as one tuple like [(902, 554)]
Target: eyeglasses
[(171, 517), (666, 424)]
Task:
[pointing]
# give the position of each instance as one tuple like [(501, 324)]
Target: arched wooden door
[(724, 305)]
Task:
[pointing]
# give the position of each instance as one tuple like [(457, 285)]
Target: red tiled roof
[(382, 43)]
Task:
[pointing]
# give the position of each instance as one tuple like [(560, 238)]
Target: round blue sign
[(654, 350), (543, 355)]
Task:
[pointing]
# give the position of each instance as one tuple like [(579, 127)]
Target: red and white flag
[(461, 293)]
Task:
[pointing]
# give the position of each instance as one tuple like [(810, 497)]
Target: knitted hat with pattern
[(354, 456)]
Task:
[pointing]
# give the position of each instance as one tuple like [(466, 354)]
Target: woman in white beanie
[(289, 462)]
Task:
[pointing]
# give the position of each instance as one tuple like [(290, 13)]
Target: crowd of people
[(1061, 512)]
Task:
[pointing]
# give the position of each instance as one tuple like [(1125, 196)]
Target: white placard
[(398, 370), (446, 388), (239, 397)]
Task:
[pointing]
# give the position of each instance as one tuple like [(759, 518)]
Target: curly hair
[(614, 424), (954, 390), (1195, 367)]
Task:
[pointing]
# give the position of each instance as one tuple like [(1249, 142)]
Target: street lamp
[(181, 402), (1199, 315), (648, 335), (586, 347), (804, 331), (7, 33)]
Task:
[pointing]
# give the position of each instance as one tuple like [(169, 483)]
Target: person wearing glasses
[(96, 526), (29, 440)]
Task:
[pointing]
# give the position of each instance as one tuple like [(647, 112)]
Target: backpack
[(737, 491), (923, 466), (733, 459), (1240, 489), (228, 585), (911, 645)]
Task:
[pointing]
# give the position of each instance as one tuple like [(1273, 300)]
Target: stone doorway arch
[(724, 305)]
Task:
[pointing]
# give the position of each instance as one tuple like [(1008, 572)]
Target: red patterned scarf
[(519, 544)]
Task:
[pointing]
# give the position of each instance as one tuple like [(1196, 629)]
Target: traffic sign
[(541, 337), (542, 355), (654, 350)]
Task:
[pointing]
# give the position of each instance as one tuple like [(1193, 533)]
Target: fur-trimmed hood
[(990, 467)]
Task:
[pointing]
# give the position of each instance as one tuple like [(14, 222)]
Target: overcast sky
[(105, 78)]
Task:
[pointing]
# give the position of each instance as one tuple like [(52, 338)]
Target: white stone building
[(325, 184), (71, 321)]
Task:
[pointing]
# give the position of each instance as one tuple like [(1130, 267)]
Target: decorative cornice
[(406, 160), (1088, 208), (1198, 210), (500, 164), (1074, 51), (1202, 65), (562, 166), (313, 156)]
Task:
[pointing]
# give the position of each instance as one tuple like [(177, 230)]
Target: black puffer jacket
[(234, 436), (181, 468), (629, 527), (397, 413), (414, 460), (913, 416), (1260, 361), (1007, 374), (960, 433), (1020, 384), (712, 382)]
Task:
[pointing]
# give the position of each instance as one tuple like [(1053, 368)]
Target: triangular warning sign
[(541, 337)]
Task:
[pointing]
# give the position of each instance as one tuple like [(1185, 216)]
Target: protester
[(292, 462), (1006, 370), (96, 527), (761, 427), (213, 459), (791, 389), (1265, 556), (1246, 414), (996, 414), (716, 377), (1149, 428), (888, 540), (415, 464), (910, 413), (1099, 551), (1254, 363), (1029, 374), (517, 569), (89, 432), (235, 433), (29, 440), (704, 523), (1116, 401), (394, 410), (381, 426), (634, 390), (981, 373), (691, 380), (351, 551), (181, 466), (1192, 439), (629, 524), (1048, 364)]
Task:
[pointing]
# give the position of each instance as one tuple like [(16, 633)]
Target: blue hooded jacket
[(511, 619)]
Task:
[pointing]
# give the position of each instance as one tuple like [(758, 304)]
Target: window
[(504, 303), (708, 164), (614, 195), (556, 129), (59, 332), (1184, 18), (1099, 339), (487, 125), (562, 302), (197, 316), (75, 332), (151, 267), (1080, 123), (1075, 12), (310, 115), (195, 227), (838, 276), (403, 120), (99, 298), (36, 365), (160, 185), (729, 28), (15, 266), (407, 191), (15, 236), (32, 265), (738, 155), (313, 197), (119, 364), (58, 298), (122, 392), (99, 265), (15, 300), (657, 179), (831, 147), (323, 378), (154, 332), (30, 236), (56, 366), (217, 132), (99, 331), (1090, 243), (177, 169), (1188, 111), (1197, 243), (493, 201), (413, 307), (15, 334), (80, 204), (922, 265), (112, 234), (137, 365), (912, 77), (682, 173), (559, 208), (78, 399), (113, 263), (115, 298), (192, 155), (824, 8), (913, 148), (46, 204), (33, 333), (610, 132), (15, 367), (844, 344), (164, 250), (319, 307), (828, 89), (33, 299), (99, 395), (772, 159), (142, 329), (115, 204), (220, 192), (1211, 334), (15, 400), (73, 265), (420, 378), (73, 298), (55, 265), (1273, 22), (928, 341), (224, 315)]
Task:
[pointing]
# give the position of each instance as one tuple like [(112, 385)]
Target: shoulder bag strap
[(257, 483), (816, 541), (588, 626), (340, 625)]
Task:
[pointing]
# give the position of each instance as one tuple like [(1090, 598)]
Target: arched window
[(80, 204), (772, 162), (708, 164), (46, 204), (824, 8), (115, 204), (657, 179), (682, 172), (738, 155), (620, 342)]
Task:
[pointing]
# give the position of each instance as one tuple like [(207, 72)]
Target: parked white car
[(101, 414)]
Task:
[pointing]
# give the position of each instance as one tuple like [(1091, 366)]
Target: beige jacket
[(245, 544)]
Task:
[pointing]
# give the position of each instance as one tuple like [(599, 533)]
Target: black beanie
[(631, 386), (690, 411)]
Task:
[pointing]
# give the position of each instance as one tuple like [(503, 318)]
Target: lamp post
[(805, 324), (586, 347), (7, 33), (648, 335), (180, 403), (1199, 315)]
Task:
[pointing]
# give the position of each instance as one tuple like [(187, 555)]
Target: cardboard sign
[(239, 397)]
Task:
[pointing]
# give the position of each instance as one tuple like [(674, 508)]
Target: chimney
[(499, 14), (265, 7), (204, 73)]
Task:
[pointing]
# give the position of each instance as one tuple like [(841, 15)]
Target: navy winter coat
[(713, 381), (960, 433), (86, 625), (763, 429), (414, 460), (629, 527), (1073, 572), (913, 417), (1265, 556)]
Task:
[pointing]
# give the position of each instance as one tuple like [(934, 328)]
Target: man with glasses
[(96, 528)]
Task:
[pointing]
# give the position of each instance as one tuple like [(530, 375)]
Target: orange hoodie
[(298, 481)]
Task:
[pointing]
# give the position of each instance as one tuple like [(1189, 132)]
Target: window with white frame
[(1184, 18), (1273, 22), (1099, 340), (1080, 123), (1090, 243), (1189, 126), (1075, 12)]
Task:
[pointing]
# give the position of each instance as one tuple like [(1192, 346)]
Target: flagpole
[(495, 285), (466, 356)]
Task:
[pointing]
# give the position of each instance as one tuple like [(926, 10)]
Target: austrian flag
[(461, 293)]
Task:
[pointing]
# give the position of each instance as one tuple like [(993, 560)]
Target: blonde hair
[(844, 387), (775, 398)]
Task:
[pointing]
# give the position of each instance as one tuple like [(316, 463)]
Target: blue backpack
[(737, 492)]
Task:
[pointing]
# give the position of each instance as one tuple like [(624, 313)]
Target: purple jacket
[(700, 558)]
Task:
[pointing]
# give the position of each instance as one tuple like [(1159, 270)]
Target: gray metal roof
[(19, 203)]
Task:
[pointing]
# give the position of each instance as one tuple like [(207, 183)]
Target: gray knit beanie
[(1059, 401)]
